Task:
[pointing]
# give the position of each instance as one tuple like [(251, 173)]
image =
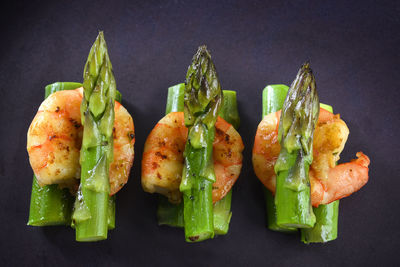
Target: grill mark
[(158, 153)]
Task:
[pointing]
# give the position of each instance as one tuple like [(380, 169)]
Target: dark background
[(353, 50)]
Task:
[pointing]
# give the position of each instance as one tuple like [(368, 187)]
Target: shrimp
[(54, 141), (328, 181), (163, 160), (124, 140)]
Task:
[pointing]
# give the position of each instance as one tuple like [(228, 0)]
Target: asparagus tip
[(202, 50)]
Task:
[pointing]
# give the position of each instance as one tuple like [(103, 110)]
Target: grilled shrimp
[(163, 160), (55, 136), (328, 181)]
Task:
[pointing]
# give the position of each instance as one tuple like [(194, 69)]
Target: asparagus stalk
[(51, 205), (172, 214), (175, 98), (229, 109), (296, 128), (222, 214), (326, 225), (325, 228), (91, 206), (272, 98), (167, 212), (111, 212), (202, 102)]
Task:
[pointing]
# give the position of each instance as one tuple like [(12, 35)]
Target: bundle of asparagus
[(202, 101), (172, 214), (307, 188), (325, 228), (93, 213)]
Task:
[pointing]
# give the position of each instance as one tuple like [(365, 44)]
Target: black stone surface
[(353, 47)]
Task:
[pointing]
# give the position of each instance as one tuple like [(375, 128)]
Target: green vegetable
[(296, 128), (326, 107), (202, 102), (97, 145), (325, 228), (172, 214), (111, 212), (51, 205), (167, 212), (175, 98), (222, 214), (272, 98), (326, 225), (229, 110)]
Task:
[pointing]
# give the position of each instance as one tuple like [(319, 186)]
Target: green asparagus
[(272, 99), (91, 206), (325, 228), (326, 225), (296, 128), (202, 102), (172, 214), (168, 213)]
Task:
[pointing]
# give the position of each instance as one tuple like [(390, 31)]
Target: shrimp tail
[(362, 159), (345, 179)]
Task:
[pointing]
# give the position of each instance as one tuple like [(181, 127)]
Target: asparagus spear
[(272, 98), (296, 128), (111, 212), (222, 214), (167, 212), (326, 225), (91, 205), (202, 101), (325, 228), (51, 205), (175, 98), (229, 109), (112, 200)]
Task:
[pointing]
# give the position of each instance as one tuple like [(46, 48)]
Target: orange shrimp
[(55, 136), (328, 181), (163, 160)]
